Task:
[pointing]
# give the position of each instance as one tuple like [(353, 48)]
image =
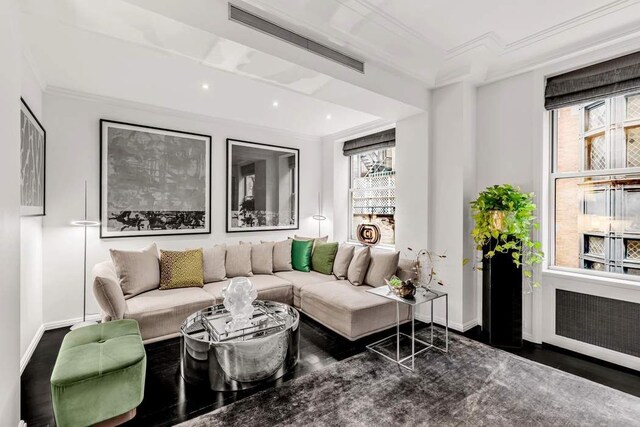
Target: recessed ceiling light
[(205, 86), (275, 103), (328, 116)]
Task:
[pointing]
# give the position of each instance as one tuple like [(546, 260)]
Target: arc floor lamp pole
[(84, 223)]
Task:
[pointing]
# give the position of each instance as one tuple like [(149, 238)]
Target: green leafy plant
[(395, 282), (506, 214)]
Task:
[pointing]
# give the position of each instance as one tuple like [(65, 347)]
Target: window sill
[(388, 248), (594, 279)]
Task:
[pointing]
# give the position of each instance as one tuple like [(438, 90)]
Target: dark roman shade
[(597, 81), (384, 139)]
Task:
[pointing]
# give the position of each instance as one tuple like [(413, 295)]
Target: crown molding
[(70, 93)]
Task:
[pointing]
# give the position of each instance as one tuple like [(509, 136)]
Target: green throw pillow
[(323, 256), (301, 255)]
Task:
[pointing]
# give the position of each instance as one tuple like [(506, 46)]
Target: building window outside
[(596, 185), (372, 192)]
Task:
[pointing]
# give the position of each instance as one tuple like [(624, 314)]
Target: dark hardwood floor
[(169, 400)]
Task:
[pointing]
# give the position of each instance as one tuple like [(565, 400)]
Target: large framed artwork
[(33, 140), (262, 187), (153, 181)]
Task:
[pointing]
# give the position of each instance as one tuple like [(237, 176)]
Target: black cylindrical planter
[(501, 299)]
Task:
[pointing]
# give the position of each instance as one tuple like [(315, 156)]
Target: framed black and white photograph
[(153, 181), (262, 187), (33, 140)]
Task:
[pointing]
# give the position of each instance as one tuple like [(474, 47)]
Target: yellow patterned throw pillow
[(181, 269)]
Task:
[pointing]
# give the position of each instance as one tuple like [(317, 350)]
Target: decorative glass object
[(238, 298), (368, 234)]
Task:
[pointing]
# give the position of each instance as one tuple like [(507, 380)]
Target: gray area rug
[(472, 385)]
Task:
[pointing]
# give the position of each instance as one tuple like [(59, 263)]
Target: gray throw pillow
[(382, 266), (342, 261), (238, 262), (358, 266), (261, 257), (138, 271), (282, 255), (214, 263)]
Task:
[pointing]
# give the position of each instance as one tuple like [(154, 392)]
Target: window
[(373, 192), (595, 182)]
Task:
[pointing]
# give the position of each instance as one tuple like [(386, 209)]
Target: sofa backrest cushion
[(138, 271), (316, 240), (358, 266), (181, 269), (261, 257), (282, 255), (407, 269), (342, 261), (383, 265), (214, 258), (323, 257), (238, 261)]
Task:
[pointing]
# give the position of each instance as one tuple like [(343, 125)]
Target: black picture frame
[(260, 146), (27, 117), (160, 219)]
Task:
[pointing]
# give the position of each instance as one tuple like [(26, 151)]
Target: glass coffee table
[(422, 296), (263, 351)]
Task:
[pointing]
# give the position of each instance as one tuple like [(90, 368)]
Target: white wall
[(9, 214), (30, 240), (72, 124)]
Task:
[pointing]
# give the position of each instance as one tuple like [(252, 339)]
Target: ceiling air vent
[(257, 23)]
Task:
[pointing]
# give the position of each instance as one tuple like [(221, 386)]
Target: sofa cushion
[(316, 240), (214, 258), (301, 251), (407, 269), (161, 313), (349, 310), (181, 269), (299, 280), (343, 259), (261, 257), (138, 271), (358, 266), (110, 298), (323, 257), (282, 255), (238, 261), (382, 266), (269, 287)]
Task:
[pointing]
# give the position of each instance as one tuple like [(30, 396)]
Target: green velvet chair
[(99, 374)]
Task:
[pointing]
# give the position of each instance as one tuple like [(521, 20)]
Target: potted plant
[(504, 217)]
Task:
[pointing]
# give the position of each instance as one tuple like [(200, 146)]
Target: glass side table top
[(422, 295)]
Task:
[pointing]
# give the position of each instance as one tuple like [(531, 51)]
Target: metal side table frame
[(422, 296)]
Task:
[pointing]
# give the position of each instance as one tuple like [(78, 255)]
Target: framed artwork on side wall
[(153, 181), (33, 140), (262, 187)]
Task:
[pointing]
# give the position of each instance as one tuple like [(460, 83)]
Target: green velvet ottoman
[(99, 374)]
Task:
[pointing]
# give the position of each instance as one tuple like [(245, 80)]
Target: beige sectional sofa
[(342, 307)]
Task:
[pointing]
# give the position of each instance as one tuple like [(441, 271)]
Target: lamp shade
[(85, 223)]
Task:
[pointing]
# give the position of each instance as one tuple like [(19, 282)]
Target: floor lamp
[(319, 217), (84, 223)]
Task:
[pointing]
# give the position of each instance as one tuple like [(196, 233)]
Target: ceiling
[(160, 52)]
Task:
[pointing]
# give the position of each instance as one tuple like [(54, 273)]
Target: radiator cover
[(608, 323)]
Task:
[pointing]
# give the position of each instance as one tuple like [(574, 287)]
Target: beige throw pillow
[(261, 257), (214, 260), (138, 271), (358, 266), (342, 261), (382, 266), (238, 261), (282, 255)]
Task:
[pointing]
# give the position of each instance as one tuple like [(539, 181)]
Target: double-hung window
[(372, 192), (595, 183)]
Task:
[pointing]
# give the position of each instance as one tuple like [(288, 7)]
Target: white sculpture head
[(238, 299)]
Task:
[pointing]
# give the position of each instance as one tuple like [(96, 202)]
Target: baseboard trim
[(69, 322), (24, 360), (456, 326)]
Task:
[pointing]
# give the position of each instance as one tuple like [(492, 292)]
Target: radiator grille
[(605, 322)]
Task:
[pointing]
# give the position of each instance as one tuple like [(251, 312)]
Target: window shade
[(384, 139), (597, 81)]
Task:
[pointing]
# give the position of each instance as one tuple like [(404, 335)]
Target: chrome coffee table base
[(229, 361), (425, 296)]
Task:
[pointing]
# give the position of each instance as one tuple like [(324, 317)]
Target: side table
[(422, 296)]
